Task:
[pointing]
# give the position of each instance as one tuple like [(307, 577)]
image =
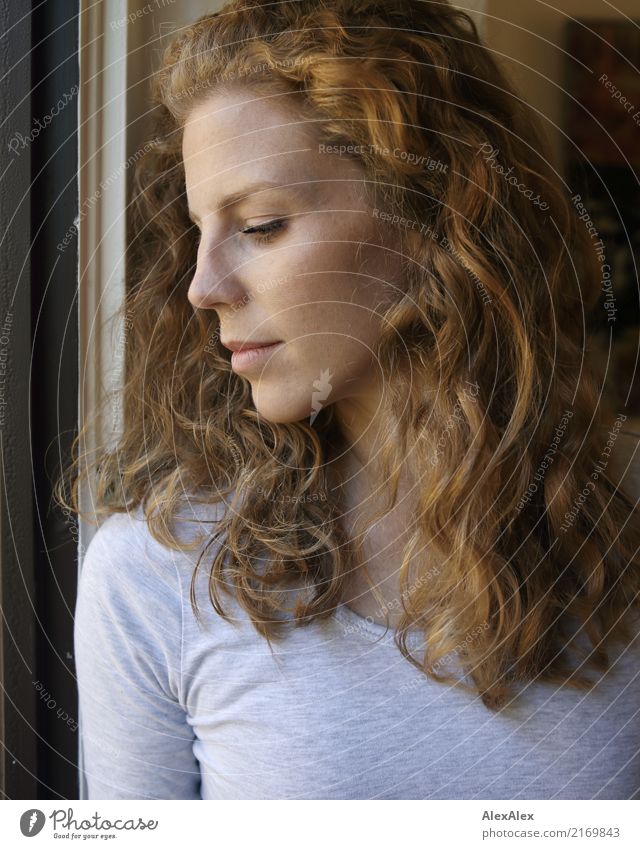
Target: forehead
[(234, 126), (238, 136)]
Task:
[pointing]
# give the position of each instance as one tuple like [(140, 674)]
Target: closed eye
[(265, 232)]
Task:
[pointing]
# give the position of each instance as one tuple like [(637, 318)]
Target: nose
[(214, 282)]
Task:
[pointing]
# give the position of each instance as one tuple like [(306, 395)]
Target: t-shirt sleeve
[(135, 739)]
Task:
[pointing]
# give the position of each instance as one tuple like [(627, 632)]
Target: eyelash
[(265, 231)]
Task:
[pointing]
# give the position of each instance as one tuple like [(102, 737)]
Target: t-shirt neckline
[(415, 638)]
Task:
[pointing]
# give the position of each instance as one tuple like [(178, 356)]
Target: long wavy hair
[(489, 390)]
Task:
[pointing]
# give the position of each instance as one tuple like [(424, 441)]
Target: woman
[(396, 476)]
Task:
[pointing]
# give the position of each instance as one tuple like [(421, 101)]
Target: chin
[(281, 405)]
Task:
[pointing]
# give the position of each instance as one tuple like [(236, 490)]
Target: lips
[(250, 358), (236, 345)]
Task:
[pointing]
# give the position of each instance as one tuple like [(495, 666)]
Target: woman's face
[(319, 276)]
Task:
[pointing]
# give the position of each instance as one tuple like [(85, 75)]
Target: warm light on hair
[(483, 354)]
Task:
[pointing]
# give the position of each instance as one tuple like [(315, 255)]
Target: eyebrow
[(235, 198)]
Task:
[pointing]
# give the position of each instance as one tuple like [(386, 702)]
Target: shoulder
[(129, 577), (124, 548)]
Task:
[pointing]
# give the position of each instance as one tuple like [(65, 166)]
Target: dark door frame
[(38, 554)]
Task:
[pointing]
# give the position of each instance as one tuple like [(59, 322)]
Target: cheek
[(327, 321), (330, 288)]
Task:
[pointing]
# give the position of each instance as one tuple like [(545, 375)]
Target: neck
[(357, 477)]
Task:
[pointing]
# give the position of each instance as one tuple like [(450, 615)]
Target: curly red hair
[(501, 279)]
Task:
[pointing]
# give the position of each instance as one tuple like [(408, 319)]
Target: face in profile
[(298, 258)]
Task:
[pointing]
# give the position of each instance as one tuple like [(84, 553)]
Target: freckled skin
[(318, 283)]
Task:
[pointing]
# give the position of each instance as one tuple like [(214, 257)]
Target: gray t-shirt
[(173, 710)]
